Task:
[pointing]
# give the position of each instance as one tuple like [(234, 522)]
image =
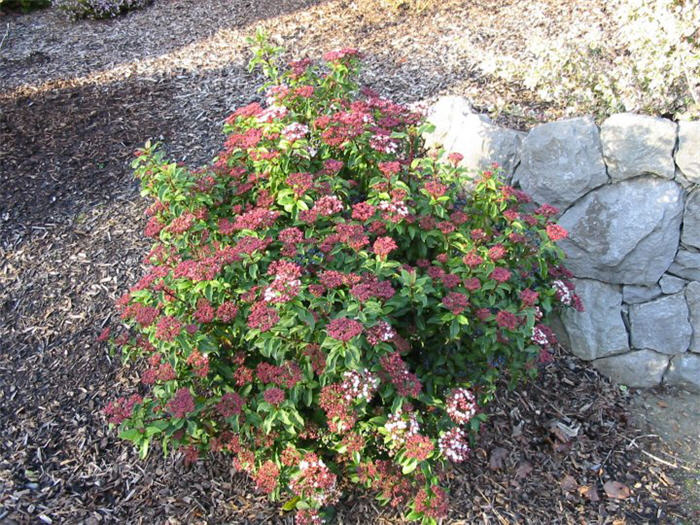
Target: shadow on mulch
[(67, 150), (173, 32)]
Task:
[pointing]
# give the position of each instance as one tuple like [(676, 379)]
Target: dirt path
[(674, 416)]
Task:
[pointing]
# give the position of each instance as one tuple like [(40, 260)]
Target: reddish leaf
[(616, 490), (568, 483), (589, 492), (523, 470), (498, 454)]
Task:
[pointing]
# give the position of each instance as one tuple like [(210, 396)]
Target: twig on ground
[(6, 35)]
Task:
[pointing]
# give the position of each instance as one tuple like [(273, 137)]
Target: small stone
[(684, 371), (687, 156), (670, 284), (599, 330), (692, 297), (638, 144), (641, 368), (636, 293), (661, 325), (691, 219), (686, 265), (561, 161)]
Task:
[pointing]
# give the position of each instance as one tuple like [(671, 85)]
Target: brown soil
[(76, 99)]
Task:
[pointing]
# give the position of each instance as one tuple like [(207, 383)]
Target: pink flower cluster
[(182, 403), (359, 385), (453, 445), (255, 219), (543, 335), (383, 246), (262, 317), (339, 414), (556, 232), (461, 405), (435, 506), (314, 480), (418, 447), (381, 332), (295, 131), (401, 426), (344, 329), (286, 284), (407, 383), (231, 404), (455, 302), (121, 408)]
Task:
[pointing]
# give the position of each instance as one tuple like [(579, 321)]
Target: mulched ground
[(76, 99)]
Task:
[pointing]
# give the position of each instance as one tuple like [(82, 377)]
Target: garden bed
[(71, 113)]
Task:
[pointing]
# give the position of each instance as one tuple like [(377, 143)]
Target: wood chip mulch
[(76, 99)]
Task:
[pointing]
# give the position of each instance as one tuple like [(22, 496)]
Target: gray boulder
[(561, 161), (670, 284), (661, 325), (636, 293), (686, 265), (692, 297), (684, 371), (691, 219), (624, 233), (599, 330), (643, 368), (458, 129), (688, 154), (638, 144)]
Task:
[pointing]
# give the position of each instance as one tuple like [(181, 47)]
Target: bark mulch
[(76, 99)]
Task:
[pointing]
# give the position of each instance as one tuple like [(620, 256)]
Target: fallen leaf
[(616, 490), (568, 483), (498, 454), (563, 432), (523, 470), (589, 492), (561, 447)]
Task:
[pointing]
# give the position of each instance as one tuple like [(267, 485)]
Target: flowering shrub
[(97, 8), (325, 305)]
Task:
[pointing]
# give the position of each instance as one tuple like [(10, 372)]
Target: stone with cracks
[(458, 129), (661, 325), (624, 233), (636, 293), (642, 368), (691, 219), (684, 371), (599, 330), (670, 284), (686, 265), (687, 156), (692, 297), (561, 161), (638, 144)]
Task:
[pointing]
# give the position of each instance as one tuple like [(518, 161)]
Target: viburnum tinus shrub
[(328, 306), (98, 8)]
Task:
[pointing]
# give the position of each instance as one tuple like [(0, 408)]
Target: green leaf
[(409, 467), (143, 450), (131, 434), (291, 504)]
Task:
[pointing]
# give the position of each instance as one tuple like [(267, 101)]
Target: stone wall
[(629, 195)]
